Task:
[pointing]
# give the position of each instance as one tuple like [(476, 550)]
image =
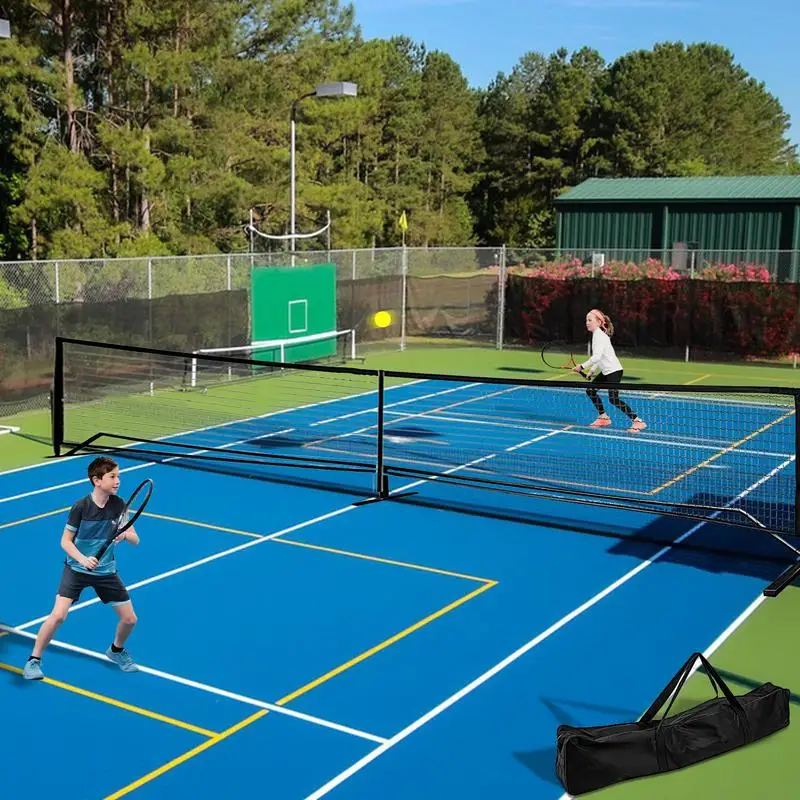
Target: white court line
[(697, 398), (715, 645), (675, 438), (22, 629), (475, 461), (204, 687), (267, 537), (638, 439), (170, 459), (414, 415), (393, 405), (254, 542), (201, 561), (64, 459), (546, 634)]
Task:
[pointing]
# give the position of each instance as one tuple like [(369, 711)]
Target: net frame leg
[(84, 444), (783, 581)]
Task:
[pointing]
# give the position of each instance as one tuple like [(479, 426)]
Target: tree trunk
[(441, 198), (64, 15), (144, 208)]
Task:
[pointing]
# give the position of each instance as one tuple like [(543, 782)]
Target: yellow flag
[(403, 222)]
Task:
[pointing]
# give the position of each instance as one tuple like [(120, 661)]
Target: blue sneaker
[(123, 660), (33, 671)]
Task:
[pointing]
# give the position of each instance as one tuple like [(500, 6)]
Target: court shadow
[(307, 476), (714, 548), (411, 433), (522, 370), (559, 709), (541, 763), (45, 440)]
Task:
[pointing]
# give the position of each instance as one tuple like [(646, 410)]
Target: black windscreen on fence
[(184, 322)]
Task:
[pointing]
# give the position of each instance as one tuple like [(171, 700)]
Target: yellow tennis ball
[(382, 319)]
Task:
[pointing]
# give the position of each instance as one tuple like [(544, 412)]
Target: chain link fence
[(495, 296)]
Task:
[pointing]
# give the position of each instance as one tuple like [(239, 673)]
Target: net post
[(57, 398), (352, 344), (194, 372), (381, 485)]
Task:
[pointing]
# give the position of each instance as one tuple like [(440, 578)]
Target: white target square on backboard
[(298, 316)]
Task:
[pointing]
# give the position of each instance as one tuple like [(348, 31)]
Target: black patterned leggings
[(613, 394)]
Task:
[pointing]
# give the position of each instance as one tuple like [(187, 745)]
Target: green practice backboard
[(291, 303)]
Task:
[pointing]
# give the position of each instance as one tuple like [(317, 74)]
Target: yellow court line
[(215, 739), (202, 524), (380, 560), (697, 380), (383, 645), (488, 584), (32, 519), (118, 703), (719, 454)]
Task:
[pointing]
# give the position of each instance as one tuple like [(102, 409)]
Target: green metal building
[(685, 220)]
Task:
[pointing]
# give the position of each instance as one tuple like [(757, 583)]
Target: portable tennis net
[(722, 454)]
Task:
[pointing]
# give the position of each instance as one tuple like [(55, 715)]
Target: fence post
[(501, 297), (404, 298)]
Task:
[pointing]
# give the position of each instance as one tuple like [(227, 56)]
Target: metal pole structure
[(336, 89), (404, 297), (501, 298), (293, 178)]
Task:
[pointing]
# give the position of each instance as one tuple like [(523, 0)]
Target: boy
[(88, 526)]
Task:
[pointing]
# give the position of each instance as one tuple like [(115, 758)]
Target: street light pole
[(336, 89)]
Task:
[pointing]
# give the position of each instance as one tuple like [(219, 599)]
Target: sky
[(486, 37)]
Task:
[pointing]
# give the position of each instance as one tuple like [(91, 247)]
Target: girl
[(604, 358)]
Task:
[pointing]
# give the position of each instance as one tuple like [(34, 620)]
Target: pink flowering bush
[(650, 268), (738, 273), (733, 315)]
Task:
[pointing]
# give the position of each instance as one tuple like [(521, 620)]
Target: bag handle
[(677, 679), (676, 684)]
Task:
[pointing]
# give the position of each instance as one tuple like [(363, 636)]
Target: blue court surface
[(293, 644)]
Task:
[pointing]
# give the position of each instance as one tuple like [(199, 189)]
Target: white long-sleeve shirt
[(603, 355)]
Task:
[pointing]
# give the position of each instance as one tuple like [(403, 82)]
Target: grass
[(764, 648)]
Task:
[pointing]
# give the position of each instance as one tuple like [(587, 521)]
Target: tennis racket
[(559, 355), (136, 504)]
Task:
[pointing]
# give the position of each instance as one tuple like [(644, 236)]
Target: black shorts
[(109, 588)]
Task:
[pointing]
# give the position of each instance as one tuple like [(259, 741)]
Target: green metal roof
[(621, 190)]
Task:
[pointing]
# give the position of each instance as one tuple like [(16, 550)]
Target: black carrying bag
[(591, 758)]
